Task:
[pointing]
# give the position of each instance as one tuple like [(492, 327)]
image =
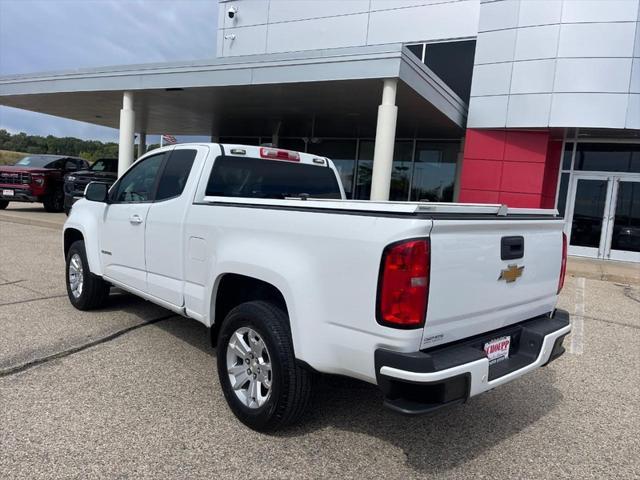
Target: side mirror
[(97, 192)]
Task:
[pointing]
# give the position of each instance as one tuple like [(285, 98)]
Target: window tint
[(138, 184), (260, 178), (175, 174)]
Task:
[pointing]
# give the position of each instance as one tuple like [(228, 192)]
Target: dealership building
[(526, 103)]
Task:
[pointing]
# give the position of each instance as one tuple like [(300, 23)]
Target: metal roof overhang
[(337, 90)]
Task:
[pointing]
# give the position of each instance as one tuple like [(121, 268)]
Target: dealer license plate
[(497, 349), (7, 193)]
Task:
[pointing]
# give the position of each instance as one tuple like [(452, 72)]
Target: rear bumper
[(421, 382)]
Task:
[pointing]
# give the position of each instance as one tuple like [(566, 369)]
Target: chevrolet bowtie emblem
[(511, 273)]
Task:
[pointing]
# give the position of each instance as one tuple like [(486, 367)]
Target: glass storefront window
[(343, 154), (400, 175), (608, 157), (295, 144), (566, 156), (588, 213), (434, 172), (241, 140), (562, 193), (365, 168), (626, 226)]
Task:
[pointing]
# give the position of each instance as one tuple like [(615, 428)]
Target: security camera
[(232, 12)]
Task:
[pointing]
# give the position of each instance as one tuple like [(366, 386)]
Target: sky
[(51, 35)]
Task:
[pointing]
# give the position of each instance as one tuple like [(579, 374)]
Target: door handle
[(135, 219)]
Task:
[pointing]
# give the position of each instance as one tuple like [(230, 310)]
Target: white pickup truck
[(434, 303)]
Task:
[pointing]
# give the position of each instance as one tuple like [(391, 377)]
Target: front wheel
[(260, 378), (86, 291)]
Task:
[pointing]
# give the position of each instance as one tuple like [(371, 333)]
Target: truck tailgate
[(468, 292)]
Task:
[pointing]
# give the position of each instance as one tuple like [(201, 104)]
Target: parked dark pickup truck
[(38, 178), (104, 170)]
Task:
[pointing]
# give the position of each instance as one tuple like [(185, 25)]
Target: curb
[(30, 221)]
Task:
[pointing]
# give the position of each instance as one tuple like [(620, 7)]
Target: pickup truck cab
[(434, 303), (102, 170), (38, 178)]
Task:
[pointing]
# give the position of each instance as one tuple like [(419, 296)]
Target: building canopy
[(325, 93)]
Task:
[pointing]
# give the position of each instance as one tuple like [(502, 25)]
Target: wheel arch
[(232, 289), (71, 235), (75, 231)]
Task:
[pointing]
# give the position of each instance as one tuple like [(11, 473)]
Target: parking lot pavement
[(147, 404), (31, 214)]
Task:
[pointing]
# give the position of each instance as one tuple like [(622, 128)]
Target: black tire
[(4, 204), (94, 290), (54, 202), (290, 383)]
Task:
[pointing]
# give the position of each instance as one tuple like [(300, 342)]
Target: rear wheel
[(3, 204), (54, 202), (261, 380), (86, 291)]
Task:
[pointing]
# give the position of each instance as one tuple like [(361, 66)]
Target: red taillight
[(278, 154), (563, 264), (404, 284)]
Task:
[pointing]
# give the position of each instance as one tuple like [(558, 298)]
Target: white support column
[(385, 139), (142, 144), (127, 133)]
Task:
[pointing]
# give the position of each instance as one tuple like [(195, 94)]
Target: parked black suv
[(104, 170)]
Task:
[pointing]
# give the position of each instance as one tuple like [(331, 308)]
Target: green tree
[(34, 144)]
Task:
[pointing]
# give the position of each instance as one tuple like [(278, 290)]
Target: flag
[(169, 140)]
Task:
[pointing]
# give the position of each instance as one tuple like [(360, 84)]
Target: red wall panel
[(485, 144), (526, 146), (481, 174), (520, 200), (522, 177), (515, 167), (479, 196)]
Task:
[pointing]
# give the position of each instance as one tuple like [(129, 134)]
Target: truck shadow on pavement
[(437, 443), (445, 440)]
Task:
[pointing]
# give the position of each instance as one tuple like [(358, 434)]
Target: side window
[(138, 184), (175, 174), (70, 165), (57, 164)]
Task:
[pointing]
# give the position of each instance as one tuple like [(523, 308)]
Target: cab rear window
[(261, 178)]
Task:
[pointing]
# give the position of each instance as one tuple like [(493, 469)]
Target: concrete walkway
[(607, 270)]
